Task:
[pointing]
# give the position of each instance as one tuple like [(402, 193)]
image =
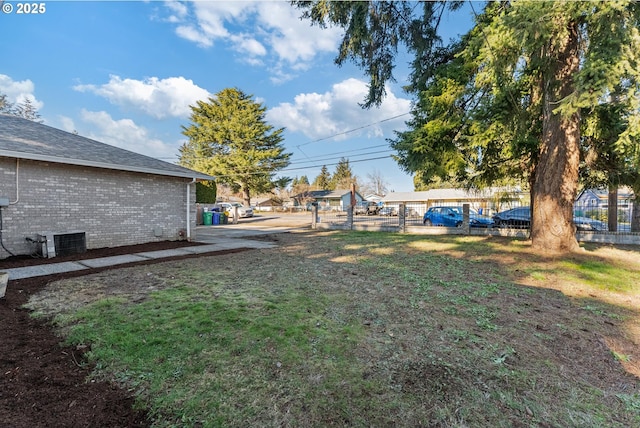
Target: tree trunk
[(635, 215), (635, 210), (556, 174), (612, 208), (246, 196)]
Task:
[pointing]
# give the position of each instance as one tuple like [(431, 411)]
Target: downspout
[(10, 203), (189, 209), (17, 183)]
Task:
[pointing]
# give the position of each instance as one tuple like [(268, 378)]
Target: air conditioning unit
[(52, 244)]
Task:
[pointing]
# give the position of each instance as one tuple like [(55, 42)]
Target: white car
[(230, 208)]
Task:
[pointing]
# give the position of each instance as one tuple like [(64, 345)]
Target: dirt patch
[(44, 384), (25, 260)]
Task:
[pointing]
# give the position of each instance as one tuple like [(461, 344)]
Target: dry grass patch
[(369, 329)]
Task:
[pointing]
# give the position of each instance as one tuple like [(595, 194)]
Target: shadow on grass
[(601, 282)]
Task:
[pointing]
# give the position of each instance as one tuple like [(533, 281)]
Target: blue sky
[(125, 73)]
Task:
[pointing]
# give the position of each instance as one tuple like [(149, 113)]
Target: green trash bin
[(207, 218), (224, 218), (216, 218)]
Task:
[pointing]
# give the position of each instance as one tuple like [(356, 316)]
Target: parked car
[(452, 217), (388, 211), (587, 224), (521, 218), (243, 211), (366, 207), (514, 218)]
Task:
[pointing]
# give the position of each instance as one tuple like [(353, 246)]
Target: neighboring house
[(599, 198), (486, 201), (373, 197), (54, 182), (595, 202), (266, 204), (332, 200)]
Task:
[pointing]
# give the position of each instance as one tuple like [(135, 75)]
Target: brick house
[(56, 183)]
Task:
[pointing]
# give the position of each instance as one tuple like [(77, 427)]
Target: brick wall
[(114, 208)]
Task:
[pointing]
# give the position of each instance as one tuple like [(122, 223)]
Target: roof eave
[(80, 162)]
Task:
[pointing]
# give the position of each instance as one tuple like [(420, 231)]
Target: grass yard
[(367, 329)]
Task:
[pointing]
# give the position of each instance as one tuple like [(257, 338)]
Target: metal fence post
[(314, 215), (235, 214)]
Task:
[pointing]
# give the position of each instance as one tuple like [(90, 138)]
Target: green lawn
[(369, 330)]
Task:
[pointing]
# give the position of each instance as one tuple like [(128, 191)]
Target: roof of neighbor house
[(372, 197), (624, 192), (24, 139), (327, 194), (268, 201), (441, 194)]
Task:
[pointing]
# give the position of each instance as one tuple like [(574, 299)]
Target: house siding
[(113, 207)]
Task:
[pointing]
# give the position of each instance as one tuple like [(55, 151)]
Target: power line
[(336, 163), (339, 157), (305, 167), (348, 151), (339, 134), (352, 130)]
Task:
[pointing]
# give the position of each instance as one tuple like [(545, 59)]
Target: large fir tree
[(507, 98), (323, 180), (230, 139)]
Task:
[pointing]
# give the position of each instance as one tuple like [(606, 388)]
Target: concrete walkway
[(213, 242)]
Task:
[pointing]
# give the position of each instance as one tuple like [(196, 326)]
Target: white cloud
[(67, 124), (207, 22), (123, 133), (293, 39), (337, 111), (193, 35), (259, 31), (19, 91), (249, 46), (159, 98), (179, 11)]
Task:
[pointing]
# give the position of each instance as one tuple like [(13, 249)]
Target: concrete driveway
[(259, 224)]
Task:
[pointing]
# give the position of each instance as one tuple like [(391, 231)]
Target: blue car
[(452, 217)]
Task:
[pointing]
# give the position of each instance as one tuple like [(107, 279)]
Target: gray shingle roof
[(443, 194), (325, 194), (25, 139)]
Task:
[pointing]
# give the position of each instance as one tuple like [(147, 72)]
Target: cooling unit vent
[(62, 244)]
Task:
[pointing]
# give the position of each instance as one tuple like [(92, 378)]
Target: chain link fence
[(496, 218)]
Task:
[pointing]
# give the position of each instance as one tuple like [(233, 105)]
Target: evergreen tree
[(206, 192), (300, 185), (230, 139), (5, 105), (28, 111), (25, 109), (506, 99), (280, 185), (342, 177), (323, 180)]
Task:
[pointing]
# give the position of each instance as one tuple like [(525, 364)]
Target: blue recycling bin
[(216, 218)]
